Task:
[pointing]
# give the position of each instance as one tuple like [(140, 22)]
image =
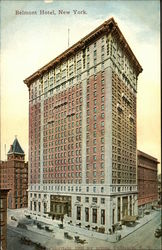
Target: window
[(35, 206), (86, 199), (30, 205), (1, 203), (102, 181), (102, 107), (94, 150), (102, 165), (102, 157), (39, 206), (78, 213), (102, 173), (103, 216), (102, 200), (1, 218), (86, 214), (45, 207), (94, 215), (78, 198), (94, 199)]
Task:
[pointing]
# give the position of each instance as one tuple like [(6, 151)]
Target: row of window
[(93, 199), (94, 215)]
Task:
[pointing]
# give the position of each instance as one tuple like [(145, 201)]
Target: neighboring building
[(147, 181), (82, 132), (3, 218), (159, 190), (14, 175)]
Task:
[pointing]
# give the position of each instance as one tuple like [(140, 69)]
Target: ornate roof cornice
[(109, 26)]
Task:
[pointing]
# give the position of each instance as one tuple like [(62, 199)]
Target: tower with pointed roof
[(16, 152), (14, 175)]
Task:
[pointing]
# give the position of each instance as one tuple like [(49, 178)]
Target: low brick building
[(14, 175), (159, 190), (147, 181), (3, 218)]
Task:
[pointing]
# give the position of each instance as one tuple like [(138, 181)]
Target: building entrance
[(59, 206)]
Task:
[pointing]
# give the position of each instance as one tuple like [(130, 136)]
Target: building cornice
[(109, 26), (146, 156)]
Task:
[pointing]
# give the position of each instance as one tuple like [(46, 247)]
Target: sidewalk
[(141, 222), (125, 231), (74, 230)]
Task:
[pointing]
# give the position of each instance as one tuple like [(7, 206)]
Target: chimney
[(11, 148)]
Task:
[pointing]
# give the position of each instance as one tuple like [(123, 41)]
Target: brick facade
[(3, 218), (14, 175), (147, 180)]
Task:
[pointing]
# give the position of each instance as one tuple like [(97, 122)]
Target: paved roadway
[(143, 239)]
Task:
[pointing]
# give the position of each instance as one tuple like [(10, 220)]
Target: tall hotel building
[(82, 132)]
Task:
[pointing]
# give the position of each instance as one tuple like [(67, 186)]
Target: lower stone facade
[(92, 211)]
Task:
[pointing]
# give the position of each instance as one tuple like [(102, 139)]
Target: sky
[(28, 42)]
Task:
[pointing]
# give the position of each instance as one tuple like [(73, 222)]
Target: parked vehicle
[(78, 240), (40, 226), (25, 240), (49, 228), (22, 225), (27, 216), (146, 212), (158, 231), (61, 226), (67, 236), (13, 218)]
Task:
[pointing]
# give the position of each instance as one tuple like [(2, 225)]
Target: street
[(143, 238)]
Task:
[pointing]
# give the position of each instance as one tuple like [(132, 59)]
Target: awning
[(129, 218)]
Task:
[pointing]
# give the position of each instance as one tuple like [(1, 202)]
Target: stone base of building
[(90, 211), (146, 208)]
